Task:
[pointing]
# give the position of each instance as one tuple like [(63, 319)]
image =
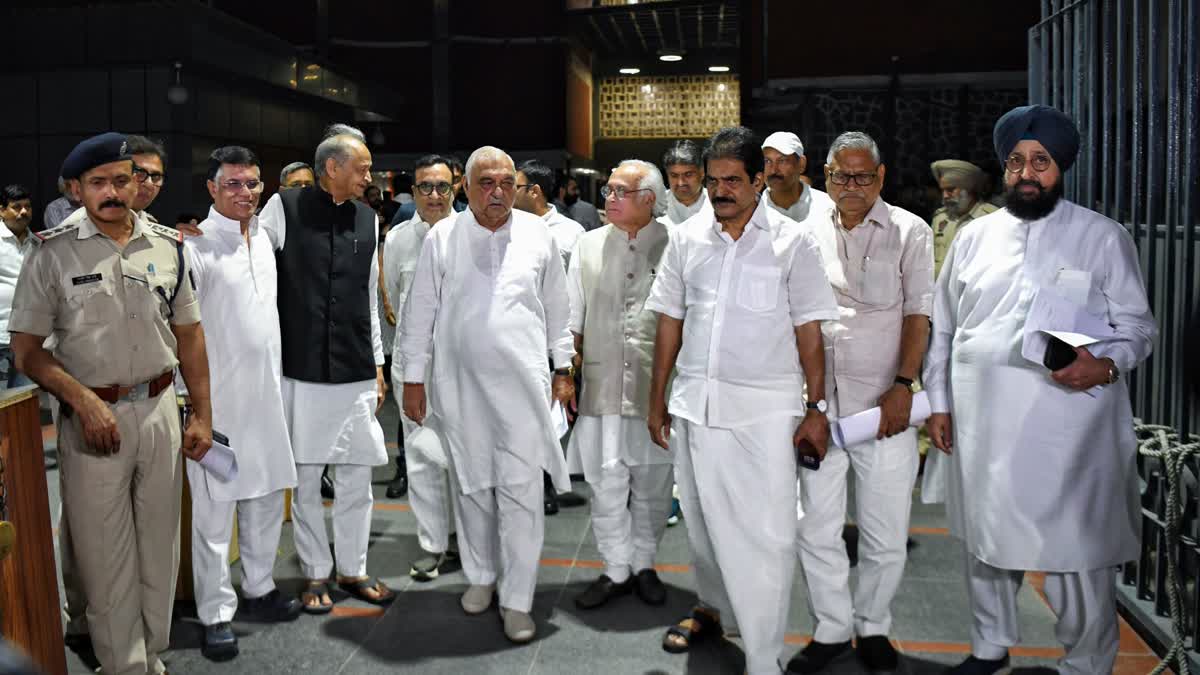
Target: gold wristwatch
[(569, 371)]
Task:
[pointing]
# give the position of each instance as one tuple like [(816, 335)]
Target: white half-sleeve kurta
[(236, 285), (1042, 477), (332, 423), (486, 307)]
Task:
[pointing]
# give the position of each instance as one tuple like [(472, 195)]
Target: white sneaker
[(518, 626), (478, 598)]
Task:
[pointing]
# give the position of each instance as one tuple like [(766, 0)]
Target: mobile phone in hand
[(807, 457)]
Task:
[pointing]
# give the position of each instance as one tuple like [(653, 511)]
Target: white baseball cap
[(785, 142)]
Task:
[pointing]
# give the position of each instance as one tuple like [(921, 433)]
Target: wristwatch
[(569, 371), (908, 384), (820, 406), (1114, 373)]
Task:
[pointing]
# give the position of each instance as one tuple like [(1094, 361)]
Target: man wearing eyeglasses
[(1041, 453), (879, 260), (424, 479), (784, 164), (149, 165), (535, 185), (740, 296), (233, 267)]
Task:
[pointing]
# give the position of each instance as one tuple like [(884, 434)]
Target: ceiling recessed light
[(718, 69), (670, 57), (630, 71)]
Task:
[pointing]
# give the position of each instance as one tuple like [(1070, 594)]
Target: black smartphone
[(1059, 354), (807, 457)]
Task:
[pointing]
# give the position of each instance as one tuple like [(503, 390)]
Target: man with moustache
[(579, 210), (488, 299), (962, 184), (149, 166), (685, 179), (296, 175), (16, 243), (325, 241), (740, 296), (233, 268), (426, 481), (1041, 464), (784, 163), (114, 290)]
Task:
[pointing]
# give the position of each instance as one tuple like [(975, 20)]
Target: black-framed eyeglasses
[(525, 186), (618, 193), (141, 175), (1016, 162), (426, 188), (860, 179)]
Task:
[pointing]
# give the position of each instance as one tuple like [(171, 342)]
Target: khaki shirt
[(944, 229), (106, 306)]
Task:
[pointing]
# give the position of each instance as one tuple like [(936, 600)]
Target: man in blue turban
[(1040, 473)]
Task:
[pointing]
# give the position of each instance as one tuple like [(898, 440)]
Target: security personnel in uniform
[(962, 184), (114, 290)]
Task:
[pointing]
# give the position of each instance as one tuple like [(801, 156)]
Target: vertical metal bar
[(1171, 281), (1036, 84), (1044, 42), (1106, 95), (1190, 201), (1137, 171), (1096, 105), (1153, 186), (1056, 46)]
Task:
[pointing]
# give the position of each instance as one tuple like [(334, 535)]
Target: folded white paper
[(864, 426), (429, 443), (558, 416), (1052, 314), (220, 462)]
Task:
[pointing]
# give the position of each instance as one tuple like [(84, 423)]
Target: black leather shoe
[(220, 644), (398, 486), (877, 654), (649, 587), (816, 656), (974, 666), (601, 591), (326, 485), (272, 607), (551, 502), (78, 641)]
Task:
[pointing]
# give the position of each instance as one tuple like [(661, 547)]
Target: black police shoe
[(398, 486), (877, 654), (272, 607), (976, 666), (649, 587), (601, 591), (220, 644), (816, 656)]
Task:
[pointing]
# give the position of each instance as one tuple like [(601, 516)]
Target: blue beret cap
[(1048, 126), (93, 152)]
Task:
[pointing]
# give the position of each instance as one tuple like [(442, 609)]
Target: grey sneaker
[(478, 598), (518, 626)]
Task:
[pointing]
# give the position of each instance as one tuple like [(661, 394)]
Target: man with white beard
[(608, 281), (428, 482), (488, 299), (685, 182), (1041, 472), (233, 269)]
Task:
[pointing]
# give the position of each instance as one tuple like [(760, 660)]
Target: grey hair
[(485, 153), (336, 144), (853, 140), (291, 169), (651, 180)]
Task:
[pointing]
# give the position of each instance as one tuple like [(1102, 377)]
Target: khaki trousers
[(123, 511)]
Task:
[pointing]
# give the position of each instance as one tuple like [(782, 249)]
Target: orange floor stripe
[(392, 506), (940, 531), (339, 610)]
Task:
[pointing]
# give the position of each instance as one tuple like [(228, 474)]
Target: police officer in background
[(114, 290), (962, 185)]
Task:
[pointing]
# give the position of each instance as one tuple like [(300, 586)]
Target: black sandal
[(362, 587), (693, 628), (316, 589)]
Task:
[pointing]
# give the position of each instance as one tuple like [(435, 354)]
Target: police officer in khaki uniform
[(962, 184), (113, 289)]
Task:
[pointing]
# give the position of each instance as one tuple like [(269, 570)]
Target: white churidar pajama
[(737, 392), (1056, 491), (236, 284)]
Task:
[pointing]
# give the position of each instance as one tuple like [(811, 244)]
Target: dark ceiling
[(645, 29)]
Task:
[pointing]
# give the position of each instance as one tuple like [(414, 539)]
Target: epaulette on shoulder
[(47, 235), (164, 231)]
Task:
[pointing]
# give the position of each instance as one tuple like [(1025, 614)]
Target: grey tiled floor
[(425, 631)]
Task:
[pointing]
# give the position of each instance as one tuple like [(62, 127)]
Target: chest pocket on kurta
[(758, 287), (880, 281), (94, 303)]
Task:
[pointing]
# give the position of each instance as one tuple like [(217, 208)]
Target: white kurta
[(564, 230), (811, 201), (236, 287), (1042, 477), (677, 211), (486, 307), (332, 423)]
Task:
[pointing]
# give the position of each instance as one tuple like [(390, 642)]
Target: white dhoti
[(884, 474), (259, 519), (1084, 602), (333, 424), (737, 488), (428, 493), (631, 479), (500, 532)]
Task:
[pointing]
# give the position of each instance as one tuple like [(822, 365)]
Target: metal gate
[(1126, 71)]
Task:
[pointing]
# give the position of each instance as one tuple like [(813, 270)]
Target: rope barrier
[(1163, 443)]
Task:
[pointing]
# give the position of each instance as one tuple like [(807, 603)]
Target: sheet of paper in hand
[(1052, 314), (220, 460)]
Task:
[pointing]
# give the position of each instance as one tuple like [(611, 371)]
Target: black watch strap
[(904, 381)]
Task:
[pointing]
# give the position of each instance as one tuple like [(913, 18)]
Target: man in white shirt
[(740, 297), (428, 481), (879, 260), (685, 179), (535, 184), (16, 210), (630, 477), (1041, 472), (784, 163), (488, 299), (233, 269)]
